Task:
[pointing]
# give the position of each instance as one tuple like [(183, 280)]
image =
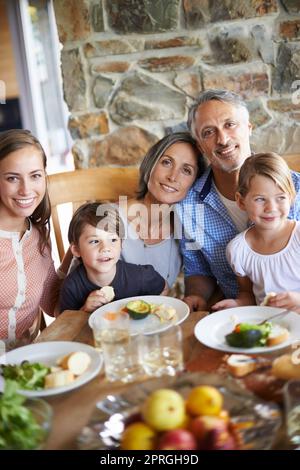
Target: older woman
[(167, 172)]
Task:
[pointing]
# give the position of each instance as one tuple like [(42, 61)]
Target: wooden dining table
[(73, 410)]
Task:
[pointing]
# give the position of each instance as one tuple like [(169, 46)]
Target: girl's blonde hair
[(269, 165)]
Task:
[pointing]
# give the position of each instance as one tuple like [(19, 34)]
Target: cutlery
[(284, 312)]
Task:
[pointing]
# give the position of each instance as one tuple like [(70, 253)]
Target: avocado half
[(138, 309)]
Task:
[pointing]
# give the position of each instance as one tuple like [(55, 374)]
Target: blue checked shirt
[(208, 228)]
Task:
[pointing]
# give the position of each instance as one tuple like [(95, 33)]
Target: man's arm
[(198, 290)]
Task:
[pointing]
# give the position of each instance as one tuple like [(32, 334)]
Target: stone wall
[(131, 67)]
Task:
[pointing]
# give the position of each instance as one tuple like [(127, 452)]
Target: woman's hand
[(287, 300), (93, 301)]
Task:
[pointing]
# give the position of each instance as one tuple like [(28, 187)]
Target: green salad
[(246, 335), (18, 427), (29, 376)]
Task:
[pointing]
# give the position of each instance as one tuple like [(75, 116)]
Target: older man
[(219, 122)]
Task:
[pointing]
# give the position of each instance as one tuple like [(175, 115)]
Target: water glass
[(120, 350), (161, 353), (96, 327), (291, 393)]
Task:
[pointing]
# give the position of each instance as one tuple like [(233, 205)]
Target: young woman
[(266, 257), (27, 275), (167, 172)]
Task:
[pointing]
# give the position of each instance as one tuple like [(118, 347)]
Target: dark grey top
[(130, 280)]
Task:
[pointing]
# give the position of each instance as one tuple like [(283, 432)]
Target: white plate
[(151, 324), (47, 353), (212, 329)]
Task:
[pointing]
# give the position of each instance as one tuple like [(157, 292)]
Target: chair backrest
[(293, 161), (92, 184)]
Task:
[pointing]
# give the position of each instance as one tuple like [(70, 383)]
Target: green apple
[(164, 410)]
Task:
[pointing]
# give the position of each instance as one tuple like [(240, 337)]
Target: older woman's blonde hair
[(270, 165)]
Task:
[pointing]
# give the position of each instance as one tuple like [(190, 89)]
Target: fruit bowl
[(258, 421)]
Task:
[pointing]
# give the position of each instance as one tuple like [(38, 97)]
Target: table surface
[(73, 410)]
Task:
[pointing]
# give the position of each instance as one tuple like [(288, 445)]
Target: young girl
[(266, 257), (27, 275)]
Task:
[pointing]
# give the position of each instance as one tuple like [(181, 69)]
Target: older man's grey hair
[(209, 95)]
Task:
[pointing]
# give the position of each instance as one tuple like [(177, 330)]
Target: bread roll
[(278, 335), (58, 379), (267, 298), (240, 364), (108, 292), (76, 362), (283, 368)]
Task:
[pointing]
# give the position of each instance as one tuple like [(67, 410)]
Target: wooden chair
[(93, 184), (293, 161)]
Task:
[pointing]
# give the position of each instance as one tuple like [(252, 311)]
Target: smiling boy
[(95, 235)]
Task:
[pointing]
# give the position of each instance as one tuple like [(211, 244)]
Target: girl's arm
[(245, 296)]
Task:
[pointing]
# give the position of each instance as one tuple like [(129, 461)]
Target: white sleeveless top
[(278, 272)]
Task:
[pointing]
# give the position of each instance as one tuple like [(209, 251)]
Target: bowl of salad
[(24, 422)]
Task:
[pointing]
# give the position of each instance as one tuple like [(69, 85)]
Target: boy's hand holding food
[(97, 298)]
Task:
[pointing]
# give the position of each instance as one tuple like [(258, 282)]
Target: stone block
[(287, 69), (142, 16), (189, 82), (97, 17), (72, 19), (88, 125), (166, 64), (110, 67), (264, 43), (73, 80), (126, 146), (196, 13), (80, 152), (221, 10), (140, 97), (290, 29), (250, 82), (280, 137), (177, 41), (291, 6), (287, 106), (259, 116), (230, 50), (102, 89), (113, 47)]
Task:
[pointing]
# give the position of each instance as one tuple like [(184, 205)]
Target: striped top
[(28, 281)]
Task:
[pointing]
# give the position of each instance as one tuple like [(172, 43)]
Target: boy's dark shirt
[(130, 280)]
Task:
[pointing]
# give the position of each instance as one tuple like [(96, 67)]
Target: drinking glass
[(161, 353), (120, 350), (96, 327), (291, 393)]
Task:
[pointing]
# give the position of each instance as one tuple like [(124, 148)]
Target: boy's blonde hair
[(270, 165), (103, 216)]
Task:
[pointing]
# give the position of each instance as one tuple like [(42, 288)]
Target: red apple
[(219, 439), (177, 439), (201, 426)]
